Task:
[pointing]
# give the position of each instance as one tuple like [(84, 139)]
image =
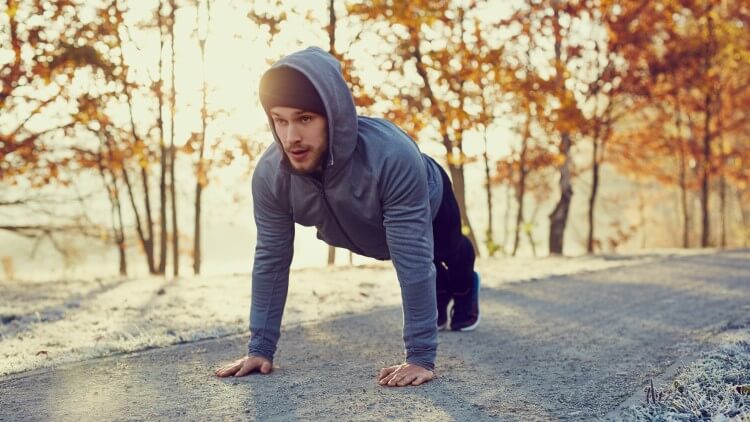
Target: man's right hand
[(244, 366)]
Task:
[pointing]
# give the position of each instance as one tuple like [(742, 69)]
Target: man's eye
[(306, 119), (280, 122)]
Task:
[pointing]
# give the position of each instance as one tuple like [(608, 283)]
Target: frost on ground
[(716, 387), (52, 322)]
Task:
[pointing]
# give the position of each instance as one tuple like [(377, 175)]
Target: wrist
[(422, 365)]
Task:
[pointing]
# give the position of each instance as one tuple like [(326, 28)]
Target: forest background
[(129, 130)]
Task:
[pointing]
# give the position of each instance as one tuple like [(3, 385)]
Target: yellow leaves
[(228, 157), (202, 177), (192, 144), (558, 159), (11, 11), (187, 148)]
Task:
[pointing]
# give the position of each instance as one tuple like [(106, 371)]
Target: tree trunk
[(705, 229), (149, 219), (723, 210), (722, 176), (202, 171), (172, 151), (459, 134), (745, 216), (162, 152), (521, 187), (489, 237), (331, 27), (559, 217), (114, 198), (147, 242), (529, 232), (138, 225), (683, 185), (120, 229), (197, 229), (595, 164), (457, 174), (331, 256), (508, 199), (455, 170), (592, 197)]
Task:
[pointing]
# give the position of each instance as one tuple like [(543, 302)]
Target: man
[(364, 185)]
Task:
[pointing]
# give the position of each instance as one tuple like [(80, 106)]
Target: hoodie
[(377, 197)]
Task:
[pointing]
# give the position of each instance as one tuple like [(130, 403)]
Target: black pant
[(453, 253)]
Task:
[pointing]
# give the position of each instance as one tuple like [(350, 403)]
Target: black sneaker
[(465, 312)]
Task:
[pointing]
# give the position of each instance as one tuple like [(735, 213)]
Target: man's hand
[(244, 366), (403, 375)]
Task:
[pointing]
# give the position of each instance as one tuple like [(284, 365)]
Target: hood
[(324, 72)]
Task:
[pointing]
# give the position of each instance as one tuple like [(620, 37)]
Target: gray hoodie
[(377, 197)]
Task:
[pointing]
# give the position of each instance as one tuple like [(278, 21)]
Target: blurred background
[(129, 130)]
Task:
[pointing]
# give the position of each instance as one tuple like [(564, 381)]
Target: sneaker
[(465, 312)]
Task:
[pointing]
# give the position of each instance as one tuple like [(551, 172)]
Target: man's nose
[(292, 134)]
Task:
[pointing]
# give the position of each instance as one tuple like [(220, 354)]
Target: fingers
[(249, 366), (387, 371), (403, 375), (406, 380), (244, 366), (399, 379), (386, 374), (422, 379), (230, 369)]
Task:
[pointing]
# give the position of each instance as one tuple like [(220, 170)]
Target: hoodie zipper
[(333, 214)]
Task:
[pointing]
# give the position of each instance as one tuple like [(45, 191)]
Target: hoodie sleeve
[(408, 228), (270, 278)]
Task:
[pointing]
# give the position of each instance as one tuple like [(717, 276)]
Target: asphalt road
[(569, 347)]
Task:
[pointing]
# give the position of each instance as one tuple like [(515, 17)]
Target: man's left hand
[(403, 375)]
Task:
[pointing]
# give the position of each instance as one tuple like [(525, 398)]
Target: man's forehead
[(287, 111)]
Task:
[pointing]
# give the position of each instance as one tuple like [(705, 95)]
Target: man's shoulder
[(384, 136), (378, 126)]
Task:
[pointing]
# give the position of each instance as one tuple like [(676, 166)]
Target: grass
[(716, 388)]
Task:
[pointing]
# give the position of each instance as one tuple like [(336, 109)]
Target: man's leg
[(455, 250), (442, 289)]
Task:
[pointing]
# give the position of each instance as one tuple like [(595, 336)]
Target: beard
[(314, 163)]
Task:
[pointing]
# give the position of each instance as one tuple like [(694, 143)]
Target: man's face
[(304, 137)]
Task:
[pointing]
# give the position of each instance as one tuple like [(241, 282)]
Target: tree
[(693, 61), (440, 42), (44, 47)]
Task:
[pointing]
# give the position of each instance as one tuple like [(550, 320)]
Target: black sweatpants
[(453, 253)]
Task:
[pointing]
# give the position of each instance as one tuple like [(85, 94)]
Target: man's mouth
[(298, 154)]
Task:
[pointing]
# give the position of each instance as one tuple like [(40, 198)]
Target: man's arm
[(270, 278), (408, 225)]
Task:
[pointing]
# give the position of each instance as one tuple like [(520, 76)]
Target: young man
[(364, 185)]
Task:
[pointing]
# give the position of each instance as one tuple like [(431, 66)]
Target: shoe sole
[(473, 326)]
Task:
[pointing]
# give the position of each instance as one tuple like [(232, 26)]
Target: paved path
[(568, 347)]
